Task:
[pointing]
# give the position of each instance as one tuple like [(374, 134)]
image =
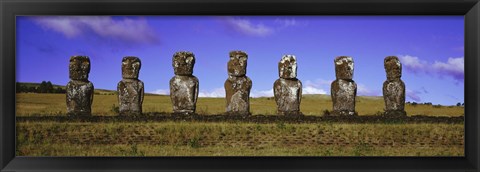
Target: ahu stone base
[(343, 113), (395, 114)]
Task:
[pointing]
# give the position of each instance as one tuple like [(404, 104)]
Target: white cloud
[(313, 90), (126, 29), (262, 93), (161, 91), (246, 27), (318, 82), (412, 63), (317, 86), (65, 25), (363, 90), (454, 67), (217, 92)]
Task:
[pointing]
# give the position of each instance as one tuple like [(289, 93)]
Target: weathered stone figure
[(79, 91), (394, 88), (238, 85), (288, 89), (343, 89), (184, 86), (130, 88)]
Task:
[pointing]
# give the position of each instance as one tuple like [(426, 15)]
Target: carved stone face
[(393, 67), (237, 65), (287, 67), (131, 67), (79, 67), (183, 63), (344, 67)]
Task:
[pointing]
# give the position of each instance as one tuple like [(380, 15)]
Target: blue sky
[(431, 49)]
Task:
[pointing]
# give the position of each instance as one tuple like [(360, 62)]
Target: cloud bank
[(453, 67)]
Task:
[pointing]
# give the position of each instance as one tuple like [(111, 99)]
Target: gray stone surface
[(130, 88), (343, 89), (344, 67), (79, 91), (238, 85), (288, 89), (394, 88), (184, 86), (237, 65)]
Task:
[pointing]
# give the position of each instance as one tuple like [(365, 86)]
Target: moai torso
[(130, 96), (79, 91), (237, 90), (288, 89), (184, 86), (394, 88), (184, 93), (394, 95), (130, 88), (238, 85), (343, 95), (343, 89)]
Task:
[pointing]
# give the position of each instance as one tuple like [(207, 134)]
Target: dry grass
[(29, 104), (234, 139)]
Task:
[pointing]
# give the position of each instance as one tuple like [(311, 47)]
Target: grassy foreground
[(238, 139), (169, 138)]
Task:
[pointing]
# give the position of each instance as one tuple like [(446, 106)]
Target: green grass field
[(53, 138)]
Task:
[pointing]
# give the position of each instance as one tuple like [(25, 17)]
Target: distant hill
[(30, 85), (316, 96)]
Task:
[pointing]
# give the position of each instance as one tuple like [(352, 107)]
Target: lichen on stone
[(184, 85), (79, 90), (288, 89), (343, 89), (130, 88), (238, 85), (394, 88)]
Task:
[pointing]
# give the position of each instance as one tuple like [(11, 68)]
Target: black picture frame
[(11, 8)]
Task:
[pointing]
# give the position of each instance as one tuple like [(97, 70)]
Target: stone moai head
[(131, 67), (237, 65), (183, 63), (79, 67), (393, 67), (344, 67), (287, 67)]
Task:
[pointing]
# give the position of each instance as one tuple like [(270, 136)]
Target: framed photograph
[(239, 85)]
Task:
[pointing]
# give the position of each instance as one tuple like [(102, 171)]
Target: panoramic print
[(240, 86)]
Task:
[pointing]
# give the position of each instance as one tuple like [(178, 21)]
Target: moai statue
[(343, 89), (238, 85), (184, 86), (79, 91), (288, 89), (394, 88), (130, 88)]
